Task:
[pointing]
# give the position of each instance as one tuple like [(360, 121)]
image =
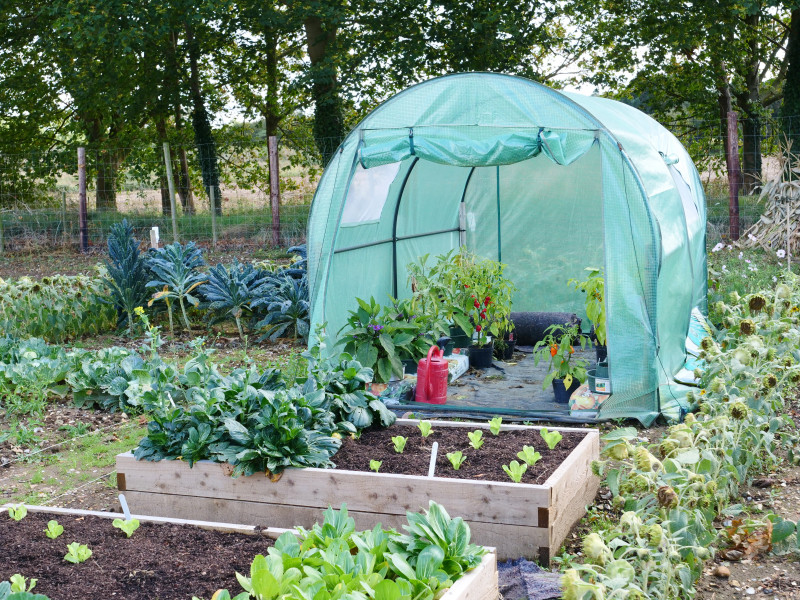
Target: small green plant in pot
[(595, 289), (378, 340), (566, 372)]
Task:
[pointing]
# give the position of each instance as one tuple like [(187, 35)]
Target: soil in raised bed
[(484, 464), (158, 562)]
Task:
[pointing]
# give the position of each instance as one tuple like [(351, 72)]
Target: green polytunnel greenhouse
[(545, 181)]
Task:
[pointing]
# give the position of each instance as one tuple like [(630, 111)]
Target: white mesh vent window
[(367, 194)]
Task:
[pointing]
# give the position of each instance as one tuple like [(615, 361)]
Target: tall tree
[(697, 60), (790, 110)]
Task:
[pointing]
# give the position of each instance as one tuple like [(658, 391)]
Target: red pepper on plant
[(487, 301), (478, 328), (553, 349), (477, 304)]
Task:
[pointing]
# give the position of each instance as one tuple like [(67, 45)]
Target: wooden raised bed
[(519, 520), (478, 584)]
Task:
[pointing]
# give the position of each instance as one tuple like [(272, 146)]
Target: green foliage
[(19, 589), (495, 424), (476, 439), (375, 465), (17, 512), (335, 562), (230, 292), (128, 526), (669, 495), (515, 470), (529, 456), (287, 305), (551, 438), (594, 288), (53, 529), (456, 459), (127, 273), (77, 553), (175, 272), (380, 340), (425, 428), (558, 348), (21, 584), (57, 308), (399, 443)]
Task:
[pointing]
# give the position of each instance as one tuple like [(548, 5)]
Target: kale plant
[(175, 273), (127, 275), (286, 301), (229, 293)]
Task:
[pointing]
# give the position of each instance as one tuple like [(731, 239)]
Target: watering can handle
[(429, 383)]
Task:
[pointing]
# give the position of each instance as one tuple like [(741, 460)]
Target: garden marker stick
[(432, 466), (124, 504)]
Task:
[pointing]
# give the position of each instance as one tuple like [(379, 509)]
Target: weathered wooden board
[(479, 584), (518, 519)]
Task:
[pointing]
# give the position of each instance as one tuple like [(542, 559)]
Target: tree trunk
[(203, 135), (161, 129), (790, 111), (184, 184), (749, 100), (724, 103), (328, 117)]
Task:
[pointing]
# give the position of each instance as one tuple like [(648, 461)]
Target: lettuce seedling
[(494, 425), (77, 553), (515, 470), (17, 512), (53, 529), (19, 584), (399, 443), (128, 526), (425, 428), (476, 439), (375, 465), (456, 459), (551, 438), (529, 455)]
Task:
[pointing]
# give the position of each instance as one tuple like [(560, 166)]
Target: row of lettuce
[(173, 282), (333, 560), (668, 495), (255, 419)]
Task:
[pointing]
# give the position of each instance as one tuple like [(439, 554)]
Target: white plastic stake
[(154, 237), (124, 504), (432, 466)]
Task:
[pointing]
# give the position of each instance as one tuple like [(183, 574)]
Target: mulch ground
[(159, 562), (483, 464)]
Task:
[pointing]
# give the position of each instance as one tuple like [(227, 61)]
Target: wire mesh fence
[(39, 195)]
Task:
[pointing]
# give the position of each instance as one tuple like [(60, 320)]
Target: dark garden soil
[(484, 464), (158, 562)]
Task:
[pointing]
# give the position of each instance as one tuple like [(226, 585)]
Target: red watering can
[(432, 378)]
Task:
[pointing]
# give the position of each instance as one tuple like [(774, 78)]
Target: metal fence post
[(84, 224), (171, 186), (64, 216), (213, 216), (274, 190)]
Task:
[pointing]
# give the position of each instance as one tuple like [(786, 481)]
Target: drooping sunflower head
[(757, 303)]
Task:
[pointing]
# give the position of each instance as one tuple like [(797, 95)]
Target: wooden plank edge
[(314, 472), (485, 425), (270, 532), (480, 583), (586, 446)]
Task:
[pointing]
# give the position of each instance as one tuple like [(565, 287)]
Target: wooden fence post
[(84, 224), (64, 216), (734, 175), (274, 190), (171, 186)]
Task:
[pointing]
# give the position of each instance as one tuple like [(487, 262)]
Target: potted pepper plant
[(594, 288), (566, 373)]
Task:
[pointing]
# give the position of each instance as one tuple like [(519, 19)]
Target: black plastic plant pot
[(481, 358), (458, 338), (601, 352), (507, 352), (562, 393), (411, 366)]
